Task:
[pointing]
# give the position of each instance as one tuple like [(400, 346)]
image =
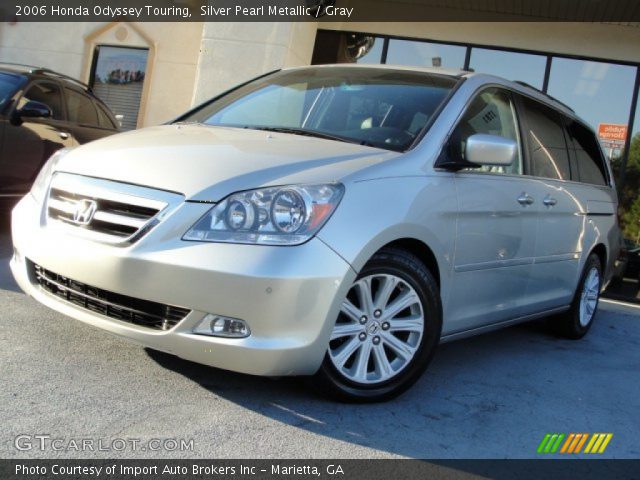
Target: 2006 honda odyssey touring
[(336, 221)]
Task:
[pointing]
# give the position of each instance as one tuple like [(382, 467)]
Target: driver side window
[(492, 112)]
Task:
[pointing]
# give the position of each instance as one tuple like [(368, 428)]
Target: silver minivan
[(337, 222)]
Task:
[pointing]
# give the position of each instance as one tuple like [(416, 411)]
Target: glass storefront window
[(628, 194), (598, 92), (601, 93), (510, 65), (423, 54), (374, 55)]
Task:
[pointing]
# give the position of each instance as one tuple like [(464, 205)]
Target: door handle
[(63, 135), (525, 199), (549, 201)]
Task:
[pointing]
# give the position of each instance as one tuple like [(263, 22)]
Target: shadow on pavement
[(475, 380), (627, 290)]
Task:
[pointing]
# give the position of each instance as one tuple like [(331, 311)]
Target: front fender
[(374, 213)]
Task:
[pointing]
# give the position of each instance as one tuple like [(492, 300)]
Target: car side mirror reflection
[(482, 149)]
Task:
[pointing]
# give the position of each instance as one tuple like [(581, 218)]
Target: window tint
[(47, 93), (9, 84), (589, 160), (546, 142), (383, 108), (492, 112), (103, 119), (80, 108)]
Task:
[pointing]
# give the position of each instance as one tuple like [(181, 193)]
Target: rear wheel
[(577, 321), (386, 333)]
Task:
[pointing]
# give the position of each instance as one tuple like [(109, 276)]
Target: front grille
[(113, 218), (102, 210), (157, 316)]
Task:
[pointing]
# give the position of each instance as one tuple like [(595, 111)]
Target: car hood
[(207, 163)]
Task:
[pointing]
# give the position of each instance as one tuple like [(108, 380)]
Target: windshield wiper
[(308, 133)]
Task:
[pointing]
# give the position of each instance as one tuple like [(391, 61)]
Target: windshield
[(9, 83), (370, 106)]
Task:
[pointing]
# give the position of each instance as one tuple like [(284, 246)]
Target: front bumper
[(289, 296)]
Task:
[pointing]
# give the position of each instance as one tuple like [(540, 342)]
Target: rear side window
[(546, 141), (591, 167), (80, 108)]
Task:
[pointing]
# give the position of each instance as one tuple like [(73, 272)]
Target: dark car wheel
[(386, 333), (577, 321)]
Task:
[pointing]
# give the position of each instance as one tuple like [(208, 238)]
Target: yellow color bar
[(591, 442), (607, 439)]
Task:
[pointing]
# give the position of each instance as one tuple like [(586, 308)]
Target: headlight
[(288, 215), (41, 183)]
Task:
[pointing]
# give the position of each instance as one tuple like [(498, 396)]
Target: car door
[(496, 225), (561, 223), (29, 142), (84, 116)]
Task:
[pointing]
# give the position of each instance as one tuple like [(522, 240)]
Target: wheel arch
[(601, 251), (422, 251)]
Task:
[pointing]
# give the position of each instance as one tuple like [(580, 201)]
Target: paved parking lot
[(493, 396)]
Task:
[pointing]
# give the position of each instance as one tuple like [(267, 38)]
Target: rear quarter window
[(589, 160), (103, 118), (81, 109)]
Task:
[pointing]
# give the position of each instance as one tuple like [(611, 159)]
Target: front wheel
[(577, 321), (386, 333)]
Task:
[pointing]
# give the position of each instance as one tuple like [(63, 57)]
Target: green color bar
[(543, 443), (550, 443), (556, 446)]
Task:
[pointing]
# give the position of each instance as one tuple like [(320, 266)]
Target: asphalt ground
[(492, 396)]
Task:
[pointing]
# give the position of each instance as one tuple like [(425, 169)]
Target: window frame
[(520, 115), (574, 170)]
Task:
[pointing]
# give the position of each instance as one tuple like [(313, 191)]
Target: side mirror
[(481, 149), (33, 109)]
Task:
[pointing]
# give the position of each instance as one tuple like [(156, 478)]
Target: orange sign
[(612, 132)]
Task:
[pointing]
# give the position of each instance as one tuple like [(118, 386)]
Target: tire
[(378, 357), (576, 322)]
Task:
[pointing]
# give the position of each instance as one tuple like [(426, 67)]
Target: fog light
[(219, 326)]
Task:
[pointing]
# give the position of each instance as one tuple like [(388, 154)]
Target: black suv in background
[(42, 111)]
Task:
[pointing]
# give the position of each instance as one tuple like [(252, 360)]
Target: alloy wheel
[(378, 331), (589, 296)]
